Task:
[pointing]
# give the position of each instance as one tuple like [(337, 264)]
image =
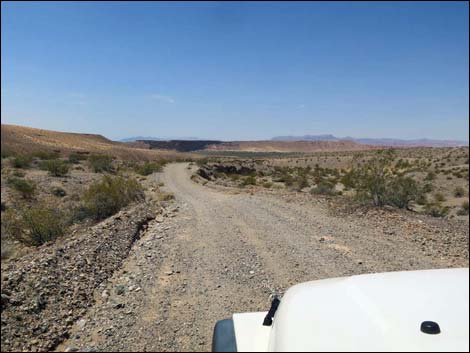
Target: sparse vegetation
[(324, 188), (75, 158), (148, 168), (106, 197), (459, 191), (249, 180), (21, 161), (463, 211), (41, 224), (25, 187), (100, 163), (45, 155), (56, 167), (436, 210)]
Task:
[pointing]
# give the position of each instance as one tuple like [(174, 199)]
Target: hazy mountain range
[(376, 141)]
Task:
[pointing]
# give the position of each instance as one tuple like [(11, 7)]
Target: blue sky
[(237, 70)]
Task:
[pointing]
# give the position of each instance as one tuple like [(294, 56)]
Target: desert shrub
[(45, 155), (107, 196), (202, 161), (324, 188), (463, 211), (41, 224), (59, 192), (439, 197), (11, 224), (25, 187), (75, 158), (148, 168), (459, 191), (378, 182), (301, 182), (436, 210), (18, 173), (349, 179), (100, 163), (234, 177), (430, 176), (6, 250), (5, 153), (428, 187), (267, 185), (250, 180), (21, 161), (55, 167), (165, 196), (401, 191)]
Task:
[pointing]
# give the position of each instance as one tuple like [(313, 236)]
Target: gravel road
[(218, 252)]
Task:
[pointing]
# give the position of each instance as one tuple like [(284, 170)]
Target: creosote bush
[(55, 167), (378, 182), (463, 211), (324, 188), (75, 158), (45, 155), (459, 191), (25, 187), (100, 163), (41, 224), (21, 161), (32, 225), (148, 168), (106, 197)]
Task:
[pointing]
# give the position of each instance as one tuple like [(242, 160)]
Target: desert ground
[(201, 236)]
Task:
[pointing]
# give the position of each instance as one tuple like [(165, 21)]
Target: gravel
[(217, 252)]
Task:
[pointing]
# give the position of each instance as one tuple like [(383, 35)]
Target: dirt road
[(221, 253)]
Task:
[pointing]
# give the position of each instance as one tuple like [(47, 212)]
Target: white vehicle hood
[(378, 312)]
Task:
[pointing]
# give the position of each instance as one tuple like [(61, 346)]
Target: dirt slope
[(21, 139), (219, 252)]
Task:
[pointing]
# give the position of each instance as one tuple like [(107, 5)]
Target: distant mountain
[(306, 138), (150, 138), (393, 142)]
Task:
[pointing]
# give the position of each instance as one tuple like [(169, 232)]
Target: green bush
[(11, 224), (100, 163), (439, 197), (202, 161), (267, 185), (75, 158), (41, 224), (301, 182), (463, 211), (106, 197), (378, 182), (25, 187), (430, 176), (45, 155), (250, 180), (55, 167), (21, 161), (401, 191), (436, 210), (148, 168), (459, 191), (324, 188)]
